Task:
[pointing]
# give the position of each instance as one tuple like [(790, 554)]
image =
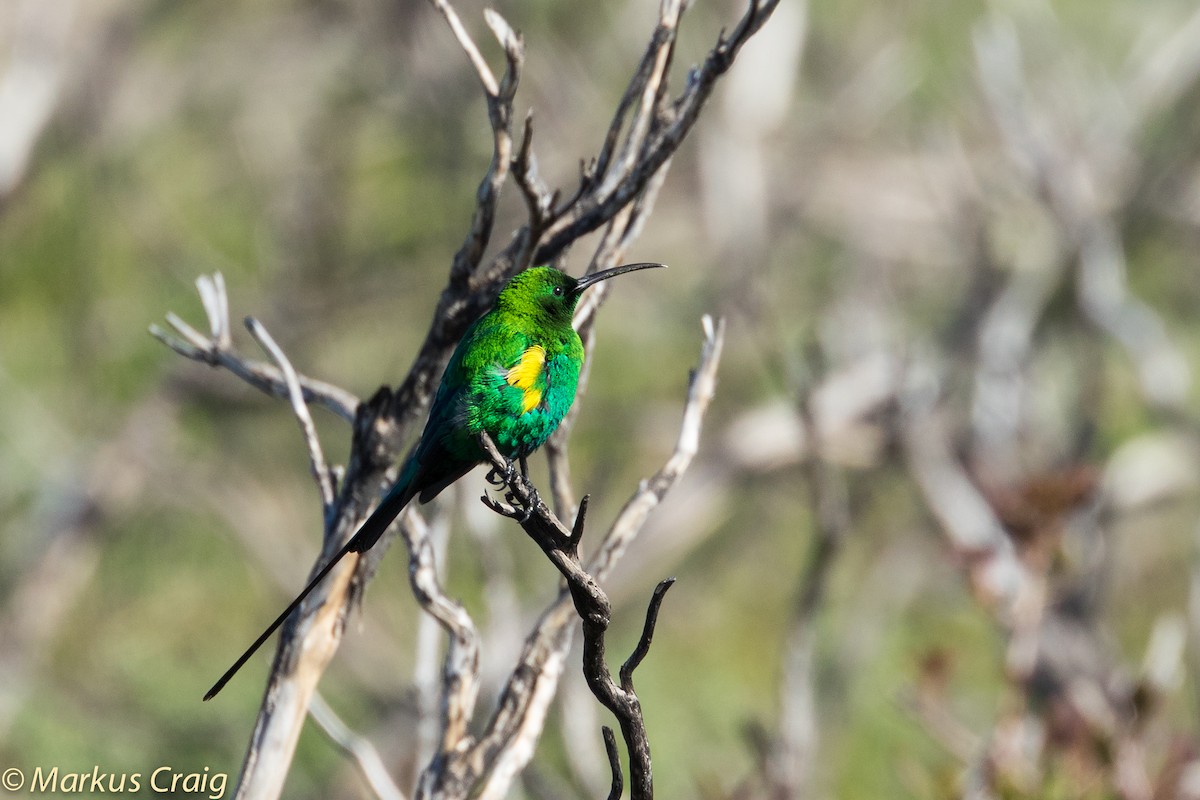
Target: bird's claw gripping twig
[(509, 477), (525, 507), (522, 497), (498, 478)]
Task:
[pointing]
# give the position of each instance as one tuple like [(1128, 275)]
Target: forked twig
[(217, 350), (561, 545)]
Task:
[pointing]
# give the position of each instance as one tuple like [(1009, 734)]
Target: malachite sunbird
[(513, 375)]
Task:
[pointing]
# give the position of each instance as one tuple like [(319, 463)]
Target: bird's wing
[(486, 368), (499, 356)]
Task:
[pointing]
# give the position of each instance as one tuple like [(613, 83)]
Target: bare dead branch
[(643, 646), (646, 90), (559, 542), (217, 351), (539, 201), (632, 517), (316, 457), (593, 608), (663, 134), (499, 96), (460, 669), (216, 306), (621, 700), (357, 747), (486, 76)]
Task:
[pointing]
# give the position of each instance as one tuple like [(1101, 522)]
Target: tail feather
[(388, 509), (368, 534)]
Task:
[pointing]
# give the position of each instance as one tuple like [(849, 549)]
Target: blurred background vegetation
[(1005, 196)]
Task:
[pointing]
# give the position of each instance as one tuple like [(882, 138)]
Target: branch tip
[(643, 646), (614, 763), (509, 39), (577, 528)]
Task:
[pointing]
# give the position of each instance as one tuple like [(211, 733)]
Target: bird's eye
[(558, 291)]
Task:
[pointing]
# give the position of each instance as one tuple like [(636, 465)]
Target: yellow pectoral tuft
[(524, 376)]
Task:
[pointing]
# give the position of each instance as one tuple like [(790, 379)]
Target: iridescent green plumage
[(513, 376), (523, 349)]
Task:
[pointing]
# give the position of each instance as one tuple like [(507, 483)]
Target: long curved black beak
[(605, 274)]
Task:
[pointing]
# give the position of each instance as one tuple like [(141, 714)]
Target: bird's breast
[(527, 400)]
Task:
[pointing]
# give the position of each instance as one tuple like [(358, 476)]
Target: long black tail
[(363, 540)]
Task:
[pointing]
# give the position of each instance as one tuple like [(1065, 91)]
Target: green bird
[(513, 376)]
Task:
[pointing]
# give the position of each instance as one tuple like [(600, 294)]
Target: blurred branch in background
[(1038, 213), (35, 40), (1019, 503), (792, 756), (357, 747)]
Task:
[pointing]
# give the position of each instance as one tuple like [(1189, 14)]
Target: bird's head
[(552, 294)]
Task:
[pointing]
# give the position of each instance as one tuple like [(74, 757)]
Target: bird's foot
[(509, 477), (528, 508), (499, 479)]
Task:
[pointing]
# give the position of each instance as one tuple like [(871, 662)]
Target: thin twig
[(538, 199), (216, 306), (366, 758), (647, 86), (499, 96), (486, 76), (592, 209), (643, 646), (316, 458), (614, 761)]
